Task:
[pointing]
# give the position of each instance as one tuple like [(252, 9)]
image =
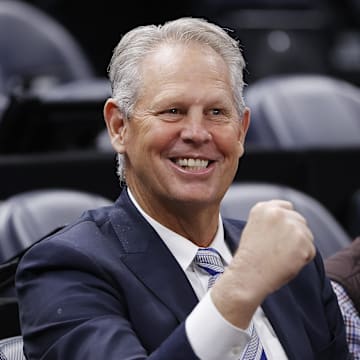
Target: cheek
[(230, 142), (152, 136), (161, 136), (139, 131)]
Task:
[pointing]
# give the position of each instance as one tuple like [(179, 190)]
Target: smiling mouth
[(191, 164)]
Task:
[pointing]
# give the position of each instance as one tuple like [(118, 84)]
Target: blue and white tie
[(209, 260), (254, 349)]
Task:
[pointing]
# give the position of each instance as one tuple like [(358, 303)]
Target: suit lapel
[(147, 256), (232, 233)]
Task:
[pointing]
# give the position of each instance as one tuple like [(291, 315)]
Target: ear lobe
[(115, 124)]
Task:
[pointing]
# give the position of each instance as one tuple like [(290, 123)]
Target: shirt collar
[(182, 248)]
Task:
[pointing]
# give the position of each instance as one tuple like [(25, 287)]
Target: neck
[(196, 222), (199, 227)]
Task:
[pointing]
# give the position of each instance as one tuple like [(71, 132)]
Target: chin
[(197, 197)]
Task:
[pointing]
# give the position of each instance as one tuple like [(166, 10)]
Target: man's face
[(184, 139)]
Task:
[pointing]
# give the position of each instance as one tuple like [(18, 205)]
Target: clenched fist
[(275, 245)]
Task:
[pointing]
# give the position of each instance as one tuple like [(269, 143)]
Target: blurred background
[(278, 36), (302, 76)]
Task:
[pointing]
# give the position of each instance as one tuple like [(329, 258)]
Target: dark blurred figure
[(343, 269)]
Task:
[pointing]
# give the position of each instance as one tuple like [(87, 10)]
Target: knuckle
[(257, 208), (274, 214)]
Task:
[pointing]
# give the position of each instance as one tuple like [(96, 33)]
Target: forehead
[(176, 66), (170, 57)]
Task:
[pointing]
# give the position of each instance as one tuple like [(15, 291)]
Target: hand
[(275, 245)]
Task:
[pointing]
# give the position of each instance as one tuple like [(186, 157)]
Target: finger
[(288, 205), (297, 216), (309, 235), (285, 204)]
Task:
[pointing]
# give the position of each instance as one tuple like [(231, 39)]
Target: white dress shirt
[(227, 341)]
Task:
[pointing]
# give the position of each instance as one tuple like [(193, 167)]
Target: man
[(131, 281)]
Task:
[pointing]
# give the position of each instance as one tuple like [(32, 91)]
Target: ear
[(116, 125), (245, 122), (244, 126)]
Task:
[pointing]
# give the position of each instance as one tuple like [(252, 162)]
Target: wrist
[(237, 294)]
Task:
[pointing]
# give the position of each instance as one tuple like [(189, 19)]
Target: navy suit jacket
[(107, 287)]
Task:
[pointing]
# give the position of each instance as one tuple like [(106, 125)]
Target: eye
[(219, 115), (171, 114), (216, 111), (173, 111)]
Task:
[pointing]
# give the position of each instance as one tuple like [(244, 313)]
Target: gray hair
[(125, 66)]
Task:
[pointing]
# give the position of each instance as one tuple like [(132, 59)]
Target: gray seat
[(4, 103), (29, 216), (25, 218), (2, 85), (12, 348), (50, 81), (35, 49), (303, 112), (329, 234)]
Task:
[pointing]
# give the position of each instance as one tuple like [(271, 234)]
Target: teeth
[(195, 164)]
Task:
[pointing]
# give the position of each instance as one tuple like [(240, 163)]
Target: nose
[(194, 129)]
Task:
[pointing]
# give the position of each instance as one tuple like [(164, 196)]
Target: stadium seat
[(60, 118), (328, 233), (36, 50), (29, 216), (303, 112)]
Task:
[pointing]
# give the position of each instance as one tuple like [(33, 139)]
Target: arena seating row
[(330, 176)]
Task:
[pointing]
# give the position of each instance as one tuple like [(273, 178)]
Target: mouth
[(191, 163)]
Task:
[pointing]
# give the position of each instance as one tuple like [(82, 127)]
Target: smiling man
[(136, 280), (184, 138)]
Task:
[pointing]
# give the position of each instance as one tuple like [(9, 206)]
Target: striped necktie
[(210, 261)]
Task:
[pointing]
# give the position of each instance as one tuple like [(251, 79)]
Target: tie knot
[(209, 260)]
